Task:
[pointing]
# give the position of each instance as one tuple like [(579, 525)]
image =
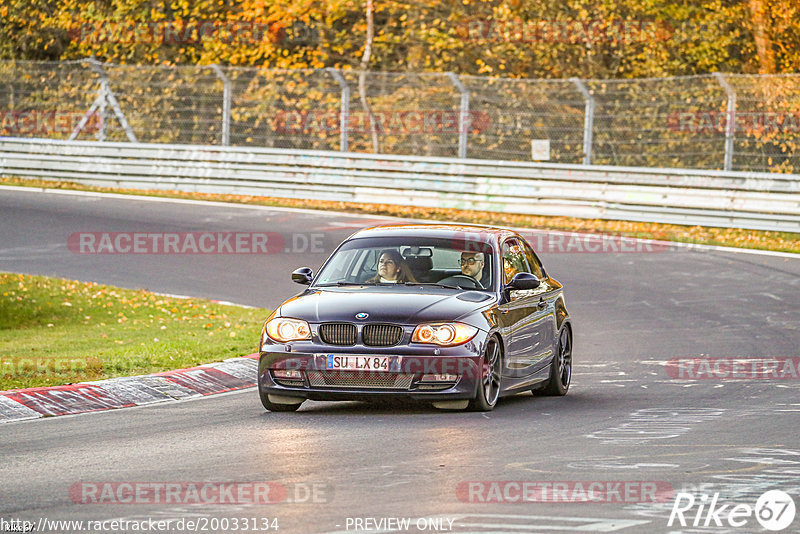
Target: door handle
[(542, 304)]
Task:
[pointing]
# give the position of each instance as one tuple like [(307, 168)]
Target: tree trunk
[(766, 55), (362, 77)]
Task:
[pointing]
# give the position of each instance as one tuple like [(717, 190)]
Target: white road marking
[(193, 202), (649, 424), (222, 302)]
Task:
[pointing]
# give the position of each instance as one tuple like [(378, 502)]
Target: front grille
[(381, 335), (360, 379), (338, 333)]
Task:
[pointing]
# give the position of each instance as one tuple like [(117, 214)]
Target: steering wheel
[(456, 278)]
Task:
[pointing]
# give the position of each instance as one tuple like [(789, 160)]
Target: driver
[(472, 265)]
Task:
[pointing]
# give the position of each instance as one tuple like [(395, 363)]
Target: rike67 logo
[(774, 510)]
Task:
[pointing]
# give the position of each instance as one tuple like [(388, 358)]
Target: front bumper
[(408, 377)]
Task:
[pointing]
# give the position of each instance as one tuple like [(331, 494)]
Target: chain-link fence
[(733, 122)]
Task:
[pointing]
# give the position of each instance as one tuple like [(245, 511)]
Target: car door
[(545, 327), (524, 318)]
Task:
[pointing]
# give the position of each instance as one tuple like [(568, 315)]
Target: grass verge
[(729, 237), (55, 331)]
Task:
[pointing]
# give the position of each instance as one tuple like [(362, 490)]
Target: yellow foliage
[(549, 39)]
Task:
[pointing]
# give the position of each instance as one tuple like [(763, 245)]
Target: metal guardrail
[(765, 201)]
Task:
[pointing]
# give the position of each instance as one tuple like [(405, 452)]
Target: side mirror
[(523, 281), (303, 275)]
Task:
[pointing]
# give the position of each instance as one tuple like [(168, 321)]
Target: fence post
[(105, 96), (344, 113), (88, 115), (463, 116), (588, 120), (102, 95), (730, 127), (226, 104)]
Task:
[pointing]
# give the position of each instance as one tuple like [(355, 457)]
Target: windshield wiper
[(343, 283), (431, 284)]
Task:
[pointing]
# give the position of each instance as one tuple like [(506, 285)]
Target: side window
[(533, 262), (367, 266), (513, 260), (342, 264)]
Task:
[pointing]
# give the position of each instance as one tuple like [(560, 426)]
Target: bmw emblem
[(362, 315)]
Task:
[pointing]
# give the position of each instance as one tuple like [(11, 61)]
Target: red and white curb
[(32, 403)]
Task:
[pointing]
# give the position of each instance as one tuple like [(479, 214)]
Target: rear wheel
[(278, 407), (560, 367), (489, 387)]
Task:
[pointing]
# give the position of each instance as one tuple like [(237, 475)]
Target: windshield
[(410, 261)]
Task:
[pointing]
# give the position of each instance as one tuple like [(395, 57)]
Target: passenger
[(392, 269)]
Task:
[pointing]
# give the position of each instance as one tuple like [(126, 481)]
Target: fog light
[(287, 373), (439, 378)]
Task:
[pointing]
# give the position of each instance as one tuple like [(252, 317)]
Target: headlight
[(446, 334), (284, 329)]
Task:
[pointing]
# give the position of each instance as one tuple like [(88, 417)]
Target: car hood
[(388, 304)]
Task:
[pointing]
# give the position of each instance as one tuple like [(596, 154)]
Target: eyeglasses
[(470, 261), (386, 262)]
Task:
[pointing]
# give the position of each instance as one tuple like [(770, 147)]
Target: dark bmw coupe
[(454, 315)]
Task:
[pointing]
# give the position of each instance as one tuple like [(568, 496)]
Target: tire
[(275, 407), (489, 386), (560, 367)]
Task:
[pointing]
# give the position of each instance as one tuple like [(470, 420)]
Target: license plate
[(339, 362)]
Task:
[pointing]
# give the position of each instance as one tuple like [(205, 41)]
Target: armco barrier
[(762, 201)]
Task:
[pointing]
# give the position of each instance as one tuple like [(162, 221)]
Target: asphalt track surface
[(624, 419)]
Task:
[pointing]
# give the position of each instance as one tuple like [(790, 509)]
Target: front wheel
[(489, 387), (560, 367)]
